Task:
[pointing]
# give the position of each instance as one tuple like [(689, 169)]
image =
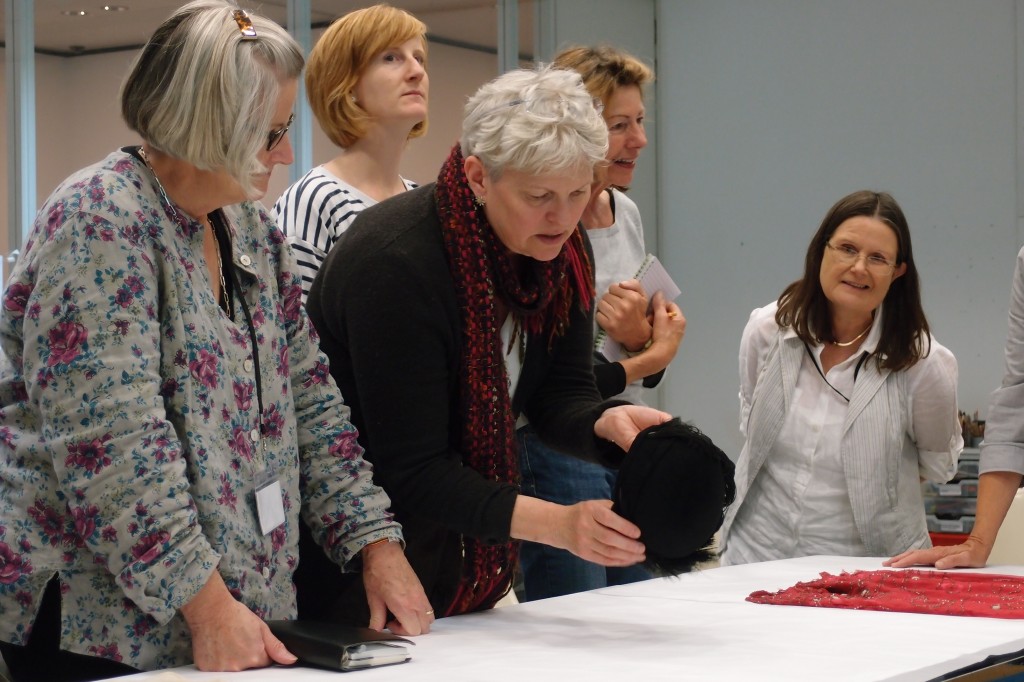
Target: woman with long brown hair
[(847, 400)]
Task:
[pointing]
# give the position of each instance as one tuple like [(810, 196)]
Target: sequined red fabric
[(908, 591)]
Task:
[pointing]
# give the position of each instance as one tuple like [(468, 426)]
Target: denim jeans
[(556, 477)]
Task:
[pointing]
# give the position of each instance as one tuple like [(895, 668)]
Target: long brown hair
[(906, 337)]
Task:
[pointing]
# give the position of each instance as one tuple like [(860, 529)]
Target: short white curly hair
[(534, 121)]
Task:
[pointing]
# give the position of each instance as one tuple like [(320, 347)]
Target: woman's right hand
[(590, 530), (666, 328), (996, 492), (226, 635), (971, 554)]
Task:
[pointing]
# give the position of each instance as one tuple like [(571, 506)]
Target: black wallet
[(340, 647)]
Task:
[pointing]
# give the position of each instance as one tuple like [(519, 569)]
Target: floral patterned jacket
[(129, 437)]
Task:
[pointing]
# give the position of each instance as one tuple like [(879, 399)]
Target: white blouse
[(798, 505)]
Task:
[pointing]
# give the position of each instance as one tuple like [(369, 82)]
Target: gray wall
[(771, 110)]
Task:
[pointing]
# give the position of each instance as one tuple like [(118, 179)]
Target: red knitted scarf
[(541, 301)]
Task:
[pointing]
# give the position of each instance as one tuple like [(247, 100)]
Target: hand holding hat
[(675, 485)]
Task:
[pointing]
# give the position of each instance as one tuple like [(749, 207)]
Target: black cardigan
[(384, 305)]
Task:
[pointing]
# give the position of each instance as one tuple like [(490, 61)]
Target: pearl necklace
[(845, 344), (223, 302)]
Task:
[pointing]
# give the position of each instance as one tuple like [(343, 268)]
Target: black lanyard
[(219, 224), (856, 370)]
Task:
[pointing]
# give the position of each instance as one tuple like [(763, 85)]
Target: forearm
[(610, 377), (536, 520), (996, 491), (590, 530), (342, 503), (648, 362), (208, 601), (565, 405)]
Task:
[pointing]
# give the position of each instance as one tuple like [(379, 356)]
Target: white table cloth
[(695, 627)]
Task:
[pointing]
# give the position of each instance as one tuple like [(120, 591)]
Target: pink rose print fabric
[(127, 413)]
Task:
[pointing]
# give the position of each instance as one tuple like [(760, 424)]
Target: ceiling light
[(114, 8), (74, 12)]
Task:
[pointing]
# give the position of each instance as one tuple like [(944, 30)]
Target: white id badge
[(269, 505)]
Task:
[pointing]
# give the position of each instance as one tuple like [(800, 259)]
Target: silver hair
[(534, 121), (200, 91)]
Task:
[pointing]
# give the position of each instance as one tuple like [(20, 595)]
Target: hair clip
[(245, 26)]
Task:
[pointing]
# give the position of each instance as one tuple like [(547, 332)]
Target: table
[(695, 627)]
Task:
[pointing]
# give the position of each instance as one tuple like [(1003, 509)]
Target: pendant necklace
[(845, 344)]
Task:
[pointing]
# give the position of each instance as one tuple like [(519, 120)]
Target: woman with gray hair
[(450, 310), (165, 414)]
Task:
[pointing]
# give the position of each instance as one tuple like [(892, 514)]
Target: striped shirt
[(313, 213)]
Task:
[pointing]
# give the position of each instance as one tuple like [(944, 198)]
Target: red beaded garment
[(909, 591)]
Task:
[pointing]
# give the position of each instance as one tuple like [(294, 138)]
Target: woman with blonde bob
[(450, 310), (166, 416), (367, 84)]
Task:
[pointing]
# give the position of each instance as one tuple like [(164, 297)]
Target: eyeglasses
[(245, 26), (848, 255), (274, 137), (547, 106)]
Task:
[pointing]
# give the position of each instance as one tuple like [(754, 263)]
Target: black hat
[(675, 484)]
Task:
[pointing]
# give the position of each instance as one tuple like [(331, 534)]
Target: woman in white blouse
[(847, 401)]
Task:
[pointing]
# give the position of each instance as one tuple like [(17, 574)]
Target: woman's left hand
[(622, 423), (622, 312), (392, 585)]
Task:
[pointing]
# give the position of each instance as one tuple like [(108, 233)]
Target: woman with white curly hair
[(452, 309)]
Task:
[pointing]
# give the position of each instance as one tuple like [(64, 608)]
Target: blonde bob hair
[(339, 59), (202, 92), (534, 121), (605, 69)]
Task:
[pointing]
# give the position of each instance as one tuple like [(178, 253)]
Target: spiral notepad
[(654, 277)]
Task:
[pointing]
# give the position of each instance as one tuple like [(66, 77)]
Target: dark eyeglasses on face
[(274, 137)]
